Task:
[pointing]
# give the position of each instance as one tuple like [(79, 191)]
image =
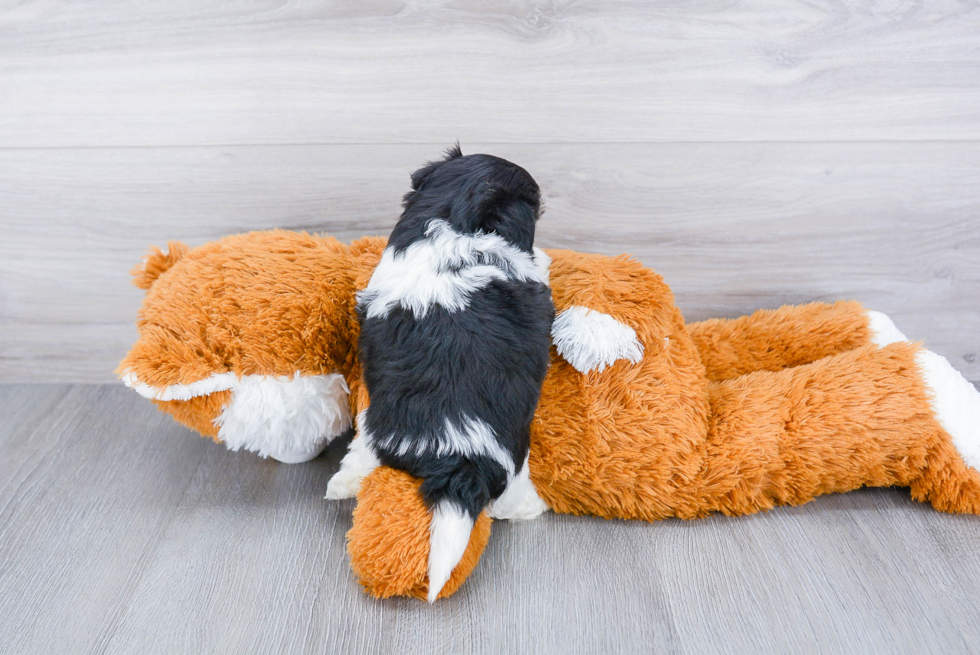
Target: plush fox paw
[(591, 341), (389, 541)]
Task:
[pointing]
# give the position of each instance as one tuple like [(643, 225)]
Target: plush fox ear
[(156, 263)]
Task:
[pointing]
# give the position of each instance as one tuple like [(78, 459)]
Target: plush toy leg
[(774, 339), (389, 540), (896, 415)]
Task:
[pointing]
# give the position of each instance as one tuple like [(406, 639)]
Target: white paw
[(883, 331), (344, 484), (520, 499), (289, 419), (359, 461), (591, 341)]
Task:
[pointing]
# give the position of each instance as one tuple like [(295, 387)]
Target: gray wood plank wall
[(752, 153)]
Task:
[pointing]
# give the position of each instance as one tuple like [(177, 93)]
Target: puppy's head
[(473, 193)]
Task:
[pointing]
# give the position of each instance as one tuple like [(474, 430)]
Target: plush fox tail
[(389, 540), (457, 496), (449, 534), (156, 263)]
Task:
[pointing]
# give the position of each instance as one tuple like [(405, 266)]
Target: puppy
[(454, 341)]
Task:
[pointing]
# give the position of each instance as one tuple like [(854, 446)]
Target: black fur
[(485, 362), (474, 193)]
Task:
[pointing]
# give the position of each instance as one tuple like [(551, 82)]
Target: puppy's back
[(455, 338)]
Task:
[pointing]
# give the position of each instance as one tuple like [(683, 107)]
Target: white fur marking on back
[(288, 419), (542, 262), (883, 330), (590, 340), (471, 438), (449, 534), (955, 403), (359, 461), (444, 269), (520, 500)]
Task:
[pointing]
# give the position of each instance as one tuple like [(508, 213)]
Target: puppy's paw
[(591, 341), (359, 461), (520, 499)]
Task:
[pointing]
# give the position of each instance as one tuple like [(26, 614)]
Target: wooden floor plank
[(87, 484), (122, 533), (731, 227), (248, 72)]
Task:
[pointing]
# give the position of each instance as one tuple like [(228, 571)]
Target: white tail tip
[(955, 403), (449, 534), (883, 330)]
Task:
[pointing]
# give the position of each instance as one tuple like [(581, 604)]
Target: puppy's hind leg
[(359, 461), (520, 500)]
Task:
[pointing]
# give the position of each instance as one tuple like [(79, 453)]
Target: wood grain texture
[(731, 227), (121, 532), (385, 71), (753, 153)]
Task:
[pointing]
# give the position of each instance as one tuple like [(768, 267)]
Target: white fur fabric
[(955, 403), (289, 419), (591, 341)]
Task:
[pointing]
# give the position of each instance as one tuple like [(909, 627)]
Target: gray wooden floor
[(753, 153), (121, 532)]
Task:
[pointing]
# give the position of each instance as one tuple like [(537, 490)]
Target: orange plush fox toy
[(252, 341)]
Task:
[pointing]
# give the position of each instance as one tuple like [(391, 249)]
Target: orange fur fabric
[(733, 347), (641, 416), (390, 550)]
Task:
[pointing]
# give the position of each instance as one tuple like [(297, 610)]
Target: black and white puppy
[(455, 332)]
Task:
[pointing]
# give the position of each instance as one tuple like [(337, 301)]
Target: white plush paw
[(291, 419), (359, 461), (288, 455), (883, 330), (591, 341)]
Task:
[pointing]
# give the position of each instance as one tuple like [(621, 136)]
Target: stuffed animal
[(252, 341)]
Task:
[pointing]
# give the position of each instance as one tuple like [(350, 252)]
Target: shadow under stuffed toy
[(252, 341)]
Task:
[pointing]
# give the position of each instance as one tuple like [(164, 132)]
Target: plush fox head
[(251, 340)]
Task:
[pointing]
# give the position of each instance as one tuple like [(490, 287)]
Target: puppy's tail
[(457, 498)]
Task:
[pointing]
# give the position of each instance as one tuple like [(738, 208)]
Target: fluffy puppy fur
[(455, 333)]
